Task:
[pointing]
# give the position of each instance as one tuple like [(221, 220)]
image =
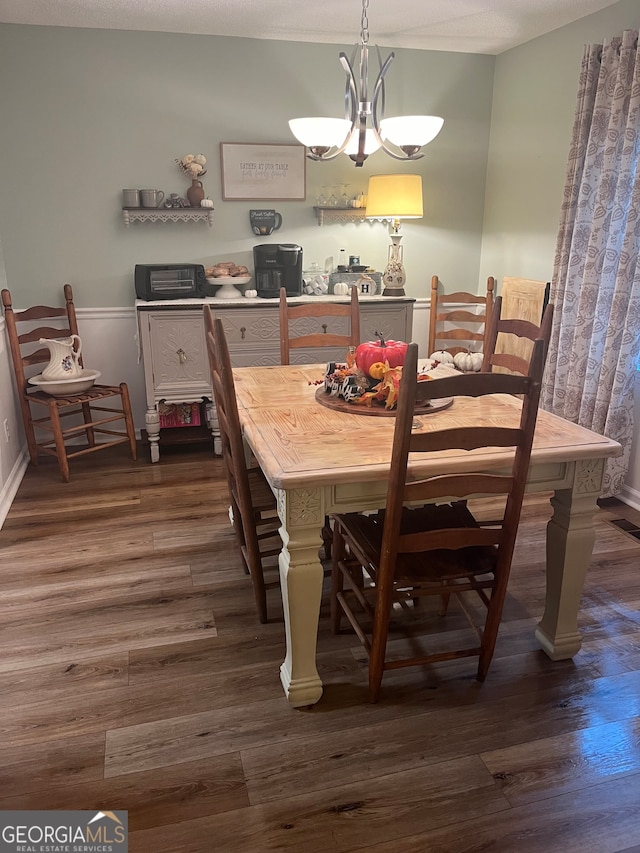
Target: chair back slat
[(445, 311), (288, 314)]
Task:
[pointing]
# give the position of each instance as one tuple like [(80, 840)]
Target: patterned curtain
[(595, 342)]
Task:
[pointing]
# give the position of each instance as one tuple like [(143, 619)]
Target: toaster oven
[(169, 281)]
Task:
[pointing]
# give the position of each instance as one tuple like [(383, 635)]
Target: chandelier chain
[(364, 27)]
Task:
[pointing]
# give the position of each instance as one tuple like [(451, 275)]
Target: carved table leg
[(570, 539), (301, 577), (152, 421)]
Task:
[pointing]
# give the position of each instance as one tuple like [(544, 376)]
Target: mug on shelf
[(131, 198), (151, 198)]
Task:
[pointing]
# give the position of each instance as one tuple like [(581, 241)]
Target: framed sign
[(262, 172)]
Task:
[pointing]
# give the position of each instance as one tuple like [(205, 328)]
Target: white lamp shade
[(394, 197), (411, 130), (319, 132), (371, 144)]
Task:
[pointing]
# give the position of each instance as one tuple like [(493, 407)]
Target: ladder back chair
[(517, 336), (93, 413), (522, 299), (253, 504), (385, 564), (315, 311), (446, 315)]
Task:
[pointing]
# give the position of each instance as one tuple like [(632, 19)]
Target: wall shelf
[(343, 214), (339, 214), (167, 214)]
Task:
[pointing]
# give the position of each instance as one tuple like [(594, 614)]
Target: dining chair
[(94, 413), (510, 340), (446, 315), (253, 504), (385, 564), (315, 334), (521, 299)]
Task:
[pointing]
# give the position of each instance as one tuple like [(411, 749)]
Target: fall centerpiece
[(371, 374)]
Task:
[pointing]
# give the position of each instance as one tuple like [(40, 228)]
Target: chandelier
[(401, 137)]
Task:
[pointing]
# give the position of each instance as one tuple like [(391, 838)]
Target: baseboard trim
[(11, 486), (630, 496)]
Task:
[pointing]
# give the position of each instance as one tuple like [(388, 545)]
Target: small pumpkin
[(377, 370), (468, 362), (251, 294), (380, 351), (206, 202), (442, 356)]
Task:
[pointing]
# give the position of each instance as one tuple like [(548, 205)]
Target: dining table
[(321, 457)]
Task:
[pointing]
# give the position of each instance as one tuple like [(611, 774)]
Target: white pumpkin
[(206, 202), (442, 356), (468, 362), (251, 294)]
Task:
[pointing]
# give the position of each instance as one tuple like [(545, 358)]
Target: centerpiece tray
[(338, 404)]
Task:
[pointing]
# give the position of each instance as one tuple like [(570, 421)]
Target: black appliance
[(278, 265), (170, 281)]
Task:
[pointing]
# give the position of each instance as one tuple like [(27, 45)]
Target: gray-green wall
[(85, 113), (533, 109)]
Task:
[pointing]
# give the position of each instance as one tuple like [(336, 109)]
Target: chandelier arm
[(404, 156), (351, 91), (378, 92)]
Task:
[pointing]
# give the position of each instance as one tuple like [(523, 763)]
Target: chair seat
[(365, 533), (96, 392)]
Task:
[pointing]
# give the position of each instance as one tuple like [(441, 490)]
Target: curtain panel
[(595, 342)]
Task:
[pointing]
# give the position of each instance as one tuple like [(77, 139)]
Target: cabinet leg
[(152, 421)]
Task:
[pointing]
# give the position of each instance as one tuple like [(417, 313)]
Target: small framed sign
[(263, 172)]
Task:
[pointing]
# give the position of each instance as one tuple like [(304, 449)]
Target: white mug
[(151, 198)]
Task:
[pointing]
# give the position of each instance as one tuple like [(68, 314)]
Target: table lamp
[(394, 197)]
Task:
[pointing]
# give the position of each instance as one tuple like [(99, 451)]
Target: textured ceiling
[(466, 26)]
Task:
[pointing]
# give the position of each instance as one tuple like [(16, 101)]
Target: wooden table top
[(300, 443)]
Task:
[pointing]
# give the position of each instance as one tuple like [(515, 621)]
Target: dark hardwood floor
[(134, 675)]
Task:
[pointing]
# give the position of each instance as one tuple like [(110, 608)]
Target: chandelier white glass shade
[(401, 137)]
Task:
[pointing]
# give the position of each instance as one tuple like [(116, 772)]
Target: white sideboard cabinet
[(173, 348)]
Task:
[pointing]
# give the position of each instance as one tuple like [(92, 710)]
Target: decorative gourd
[(372, 352), (251, 294), (377, 370), (468, 362), (442, 356), (206, 202)]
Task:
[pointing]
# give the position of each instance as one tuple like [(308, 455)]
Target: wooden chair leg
[(29, 431), (338, 553), (61, 450), (89, 432), (379, 641), (128, 419)]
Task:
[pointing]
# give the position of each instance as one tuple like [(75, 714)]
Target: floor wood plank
[(134, 675)]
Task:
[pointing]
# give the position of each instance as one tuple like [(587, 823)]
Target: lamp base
[(394, 276)]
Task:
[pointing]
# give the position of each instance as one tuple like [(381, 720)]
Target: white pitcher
[(64, 359)]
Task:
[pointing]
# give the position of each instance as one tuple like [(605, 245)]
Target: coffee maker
[(278, 265)]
